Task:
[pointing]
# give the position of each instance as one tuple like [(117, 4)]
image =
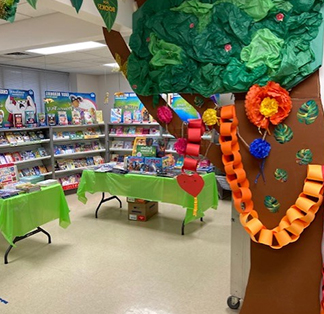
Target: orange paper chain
[(298, 216)]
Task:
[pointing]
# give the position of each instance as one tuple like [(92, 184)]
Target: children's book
[(137, 116), (88, 118), (62, 118), (76, 117), (89, 161), (3, 160), (98, 160), (25, 136), (117, 144), (116, 115), (33, 136), (134, 163), (146, 151), (19, 137), (154, 131), (42, 151), (17, 120), (79, 135), (40, 135), (66, 135), (99, 117), (128, 144), (41, 119), (112, 131), (139, 130), (16, 156), (3, 140), (132, 130), (72, 135), (153, 164), (127, 116), (30, 118), (42, 169), (11, 138), (51, 119), (9, 158), (145, 116), (119, 130)]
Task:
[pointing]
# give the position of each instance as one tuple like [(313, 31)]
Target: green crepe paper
[(292, 54), (32, 3), (164, 53), (151, 188), (77, 4), (257, 9), (264, 48), (201, 10), (8, 9)]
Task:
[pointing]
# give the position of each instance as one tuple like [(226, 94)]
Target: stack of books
[(28, 187)]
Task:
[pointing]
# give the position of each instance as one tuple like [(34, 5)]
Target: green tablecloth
[(151, 188), (23, 213)]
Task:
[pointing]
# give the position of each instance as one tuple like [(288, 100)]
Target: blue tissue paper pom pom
[(260, 148)]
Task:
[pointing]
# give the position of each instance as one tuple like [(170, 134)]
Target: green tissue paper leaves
[(271, 204), (281, 175), (108, 11), (304, 157)]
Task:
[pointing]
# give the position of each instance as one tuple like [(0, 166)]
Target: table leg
[(27, 235), (103, 200), (183, 225)]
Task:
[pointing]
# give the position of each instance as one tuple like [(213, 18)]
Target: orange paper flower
[(267, 104)]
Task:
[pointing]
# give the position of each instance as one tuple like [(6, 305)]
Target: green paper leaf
[(32, 3), (304, 157), (281, 175), (308, 112), (77, 4), (108, 11), (283, 133), (271, 204)]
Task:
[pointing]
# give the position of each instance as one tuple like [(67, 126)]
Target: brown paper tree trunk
[(285, 281)]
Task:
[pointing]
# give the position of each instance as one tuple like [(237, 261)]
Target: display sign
[(13, 102), (108, 10), (182, 108), (56, 101)]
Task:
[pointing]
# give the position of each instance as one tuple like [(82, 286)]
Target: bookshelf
[(28, 148)]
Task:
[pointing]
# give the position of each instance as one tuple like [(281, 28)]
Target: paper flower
[(180, 146), (210, 117), (260, 148), (164, 114), (267, 104)]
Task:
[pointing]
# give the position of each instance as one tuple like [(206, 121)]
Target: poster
[(14, 101), (67, 101), (182, 108)]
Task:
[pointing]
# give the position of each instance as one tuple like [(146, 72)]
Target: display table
[(153, 188), (19, 215)]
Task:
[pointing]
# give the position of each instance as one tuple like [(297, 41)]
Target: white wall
[(110, 83), (85, 83)]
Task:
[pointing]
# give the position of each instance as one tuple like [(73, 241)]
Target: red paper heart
[(192, 184)]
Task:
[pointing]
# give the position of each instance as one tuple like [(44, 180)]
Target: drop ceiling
[(85, 62)]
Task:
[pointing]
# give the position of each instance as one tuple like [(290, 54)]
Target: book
[(42, 151), (139, 130), (76, 117), (134, 163), (127, 116), (99, 116), (51, 119), (138, 141), (62, 118), (17, 120), (9, 158), (117, 144), (30, 118), (42, 169), (88, 118), (48, 182), (98, 160), (66, 135), (11, 138), (33, 136), (25, 136), (72, 135), (18, 136), (3, 160), (40, 135), (153, 164), (119, 130), (112, 131), (132, 130), (41, 119), (79, 135), (137, 116), (3, 140), (154, 131), (128, 145), (16, 156), (145, 116), (115, 115)]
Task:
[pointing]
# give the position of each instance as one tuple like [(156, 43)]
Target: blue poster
[(182, 108)]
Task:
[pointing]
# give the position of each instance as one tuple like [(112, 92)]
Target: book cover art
[(9, 158), (145, 116), (137, 116), (18, 120), (41, 119), (134, 163), (3, 140), (33, 136), (30, 118), (139, 130), (62, 118), (42, 169), (99, 116), (66, 135), (42, 151), (11, 138), (98, 160), (18, 136), (89, 161), (154, 131), (16, 156), (153, 164), (76, 117), (79, 135), (112, 131), (128, 145), (127, 116), (115, 115), (179, 163), (72, 135), (40, 135), (132, 130), (3, 160), (89, 118), (119, 130), (51, 119), (117, 144)]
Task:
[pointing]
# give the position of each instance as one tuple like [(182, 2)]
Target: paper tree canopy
[(218, 46)]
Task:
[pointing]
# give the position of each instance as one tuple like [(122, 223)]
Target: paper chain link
[(298, 216)]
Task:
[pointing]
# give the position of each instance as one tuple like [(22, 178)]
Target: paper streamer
[(298, 217)]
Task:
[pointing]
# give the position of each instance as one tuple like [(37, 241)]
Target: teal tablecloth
[(23, 213), (151, 188)]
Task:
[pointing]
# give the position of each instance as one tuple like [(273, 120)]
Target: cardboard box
[(142, 212), (136, 200)]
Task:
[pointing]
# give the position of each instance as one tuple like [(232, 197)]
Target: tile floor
[(112, 265)]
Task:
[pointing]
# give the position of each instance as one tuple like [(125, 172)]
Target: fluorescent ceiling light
[(67, 48), (112, 65)]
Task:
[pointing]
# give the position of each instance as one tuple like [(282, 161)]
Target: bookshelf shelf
[(79, 153), (78, 139), (70, 170), (112, 149), (31, 160), (134, 135)]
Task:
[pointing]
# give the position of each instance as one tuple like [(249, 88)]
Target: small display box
[(141, 210)]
